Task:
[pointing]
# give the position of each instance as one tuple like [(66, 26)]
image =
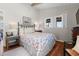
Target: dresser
[(75, 32), (75, 50)]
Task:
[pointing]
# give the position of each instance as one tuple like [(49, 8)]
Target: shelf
[(12, 40)]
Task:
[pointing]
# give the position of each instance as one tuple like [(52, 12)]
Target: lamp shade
[(77, 45), (36, 26)]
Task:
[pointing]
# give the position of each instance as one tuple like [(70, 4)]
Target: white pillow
[(21, 32), (29, 30)]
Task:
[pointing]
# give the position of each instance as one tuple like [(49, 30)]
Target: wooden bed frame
[(59, 45)]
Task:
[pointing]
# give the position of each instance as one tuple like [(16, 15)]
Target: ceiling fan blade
[(33, 4)]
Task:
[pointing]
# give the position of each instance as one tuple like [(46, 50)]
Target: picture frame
[(48, 21), (26, 20)]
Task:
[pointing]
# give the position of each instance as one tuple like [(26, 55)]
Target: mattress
[(38, 44)]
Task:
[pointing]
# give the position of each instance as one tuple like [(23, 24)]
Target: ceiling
[(49, 5)]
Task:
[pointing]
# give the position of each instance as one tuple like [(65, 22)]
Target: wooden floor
[(58, 49)]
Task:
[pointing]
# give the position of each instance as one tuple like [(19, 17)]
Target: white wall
[(13, 13), (70, 11)]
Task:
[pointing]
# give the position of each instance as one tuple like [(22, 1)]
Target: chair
[(75, 50)]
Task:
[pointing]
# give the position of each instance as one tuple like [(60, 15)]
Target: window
[(48, 21), (59, 22)]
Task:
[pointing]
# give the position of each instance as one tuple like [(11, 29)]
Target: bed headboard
[(26, 23), (26, 28)]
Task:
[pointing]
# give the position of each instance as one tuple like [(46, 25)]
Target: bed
[(37, 44)]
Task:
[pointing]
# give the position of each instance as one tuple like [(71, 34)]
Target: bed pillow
[(21, 31), (29, 30)]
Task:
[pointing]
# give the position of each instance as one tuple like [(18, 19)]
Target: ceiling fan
[(34, 4)]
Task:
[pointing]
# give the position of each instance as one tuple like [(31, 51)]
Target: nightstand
[(12, 41)]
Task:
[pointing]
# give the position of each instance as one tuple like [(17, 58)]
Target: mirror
[(1, 32)]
